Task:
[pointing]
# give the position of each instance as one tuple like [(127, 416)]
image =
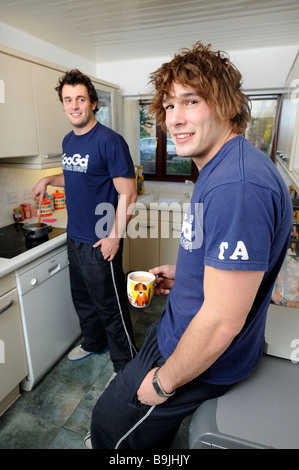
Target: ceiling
[(112, 30)]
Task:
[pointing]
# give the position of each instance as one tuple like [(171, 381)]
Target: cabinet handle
[(146, 226), (52, 155), (54, 270), (6, 307)]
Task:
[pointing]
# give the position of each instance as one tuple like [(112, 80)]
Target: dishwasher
[(50, 322)]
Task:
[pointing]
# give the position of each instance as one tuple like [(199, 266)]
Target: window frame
[(262, 96)]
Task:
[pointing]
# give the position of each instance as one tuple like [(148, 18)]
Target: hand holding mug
[(164, 278)]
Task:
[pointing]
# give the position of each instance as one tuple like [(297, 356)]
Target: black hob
[(13, 242)]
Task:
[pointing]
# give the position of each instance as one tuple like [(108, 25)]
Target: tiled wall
[(21, 182), (18, 182)]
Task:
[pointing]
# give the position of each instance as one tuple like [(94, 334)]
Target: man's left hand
[(109, 247)]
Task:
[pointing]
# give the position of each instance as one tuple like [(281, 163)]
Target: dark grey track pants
[(119, 421), (99, 295)]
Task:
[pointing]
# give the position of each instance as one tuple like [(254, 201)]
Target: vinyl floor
[(56, 413)]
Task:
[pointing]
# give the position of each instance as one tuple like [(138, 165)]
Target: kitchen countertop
[(10, 265), (177, 203)]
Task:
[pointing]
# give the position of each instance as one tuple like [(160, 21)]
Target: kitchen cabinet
[(288, 137), (48, 122), (154, 238), (32, 121), (51, 123), (143, 232), (13, 362), (105, 114), (18, 133), (170, 234)]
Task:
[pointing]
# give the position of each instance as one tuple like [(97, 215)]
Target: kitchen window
[(157, 152)]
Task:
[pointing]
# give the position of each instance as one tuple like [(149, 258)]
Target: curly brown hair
[(75, 77), (214, 78)]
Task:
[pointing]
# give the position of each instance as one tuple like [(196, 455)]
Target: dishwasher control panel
[(34, 274)]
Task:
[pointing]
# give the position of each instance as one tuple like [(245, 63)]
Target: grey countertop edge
[(8, 266)]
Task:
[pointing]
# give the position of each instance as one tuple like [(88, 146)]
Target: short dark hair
[(212, 75), (75, 77)]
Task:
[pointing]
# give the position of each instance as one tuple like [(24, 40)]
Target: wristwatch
[(158, 389)]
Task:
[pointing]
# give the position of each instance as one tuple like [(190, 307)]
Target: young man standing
[(233, 242), (98, 176)]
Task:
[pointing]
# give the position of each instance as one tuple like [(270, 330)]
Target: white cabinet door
[(294, 93), (170, 234), (52, 124), (169, 244), (13, 362), (289, 121), (18, 136), (144, 248)]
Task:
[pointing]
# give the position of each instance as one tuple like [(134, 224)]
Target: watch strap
[(157, 386)]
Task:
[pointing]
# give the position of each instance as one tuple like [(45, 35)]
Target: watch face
[(156, 385), (159, 391)]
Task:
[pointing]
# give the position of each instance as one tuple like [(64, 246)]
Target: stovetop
[(13, 242)]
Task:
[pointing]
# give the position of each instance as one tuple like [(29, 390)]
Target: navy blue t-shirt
[(90, 162), (240, 218)]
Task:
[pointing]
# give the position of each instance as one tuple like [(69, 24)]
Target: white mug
[(140, 288)]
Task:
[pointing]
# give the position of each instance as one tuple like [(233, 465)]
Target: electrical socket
[(12, 198), (27, 193)]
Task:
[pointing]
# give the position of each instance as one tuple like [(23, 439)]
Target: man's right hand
[(165, 278), (39, 189)]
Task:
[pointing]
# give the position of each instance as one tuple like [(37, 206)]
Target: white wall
[(263, 68), (21, 182)]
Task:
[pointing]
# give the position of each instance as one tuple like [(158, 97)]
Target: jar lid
[(17, 209), (58, 194)]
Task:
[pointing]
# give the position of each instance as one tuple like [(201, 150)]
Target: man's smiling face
[(193, 124), (78, 108)]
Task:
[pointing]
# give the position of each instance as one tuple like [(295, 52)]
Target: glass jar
[(18, 214)]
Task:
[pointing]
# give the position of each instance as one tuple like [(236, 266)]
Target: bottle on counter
[(18, 214), (139, 179), (27, 210)]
